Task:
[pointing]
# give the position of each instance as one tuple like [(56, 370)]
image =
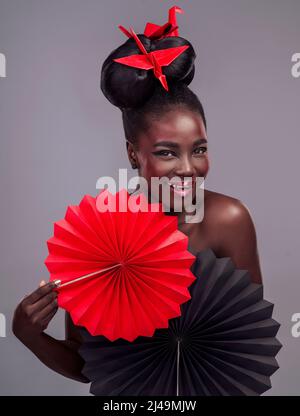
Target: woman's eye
[(201, 149), (164, 153)]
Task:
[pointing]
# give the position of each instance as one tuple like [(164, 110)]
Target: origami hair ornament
[(152, 60), (153, 31)]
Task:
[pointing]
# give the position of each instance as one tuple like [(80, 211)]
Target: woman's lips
[(182, 188)]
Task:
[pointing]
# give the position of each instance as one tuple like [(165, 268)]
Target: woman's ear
[(131, 154)]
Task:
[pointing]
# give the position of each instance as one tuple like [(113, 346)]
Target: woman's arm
[(237, 238), (31, 319), (59, 355)]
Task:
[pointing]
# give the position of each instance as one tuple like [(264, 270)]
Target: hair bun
[(182, 68), (129, 87)]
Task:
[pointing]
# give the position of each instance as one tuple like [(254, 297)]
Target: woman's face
[(174, 146)]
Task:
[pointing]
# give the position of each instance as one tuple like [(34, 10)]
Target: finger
[(48, 318), (39, 293), (47, 310), (42, 302), (25, 296), (42, 283)]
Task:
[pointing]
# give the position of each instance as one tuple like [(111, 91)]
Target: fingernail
[(57, 282)]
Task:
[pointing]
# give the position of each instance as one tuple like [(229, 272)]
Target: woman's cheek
[(158, 168), (205, 167)]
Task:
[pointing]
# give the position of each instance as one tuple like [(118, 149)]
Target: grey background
[(59, 134)]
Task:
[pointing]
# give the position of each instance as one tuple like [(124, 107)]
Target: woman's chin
[(174, 201), (178, 203)]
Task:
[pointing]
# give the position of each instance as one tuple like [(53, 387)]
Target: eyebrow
[(176, 145)]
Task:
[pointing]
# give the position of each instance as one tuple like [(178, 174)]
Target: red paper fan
[(123, 274)]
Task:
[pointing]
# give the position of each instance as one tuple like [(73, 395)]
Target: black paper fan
[(222, 344)]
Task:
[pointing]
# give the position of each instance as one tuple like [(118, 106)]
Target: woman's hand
[(30, 320), (34, 312)]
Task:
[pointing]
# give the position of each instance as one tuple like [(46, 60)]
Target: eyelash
[(204, 148), (160, 152)]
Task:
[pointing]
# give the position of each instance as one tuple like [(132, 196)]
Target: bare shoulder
[(231, 227), (225, 211)]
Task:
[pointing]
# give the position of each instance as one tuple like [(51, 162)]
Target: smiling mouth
[(182, 189)]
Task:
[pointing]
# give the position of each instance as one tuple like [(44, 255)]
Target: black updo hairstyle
[(139, 94)]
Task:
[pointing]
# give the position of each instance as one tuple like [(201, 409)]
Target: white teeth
[(180, 187)]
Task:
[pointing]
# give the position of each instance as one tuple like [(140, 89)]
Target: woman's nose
[(184, 167)]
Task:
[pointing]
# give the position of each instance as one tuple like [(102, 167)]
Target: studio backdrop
[(59, 134)]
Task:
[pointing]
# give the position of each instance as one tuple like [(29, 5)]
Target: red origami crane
[(154, 31), (152, 60), (123, 273)]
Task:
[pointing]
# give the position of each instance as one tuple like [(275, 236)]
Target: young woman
[(166, 135)]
